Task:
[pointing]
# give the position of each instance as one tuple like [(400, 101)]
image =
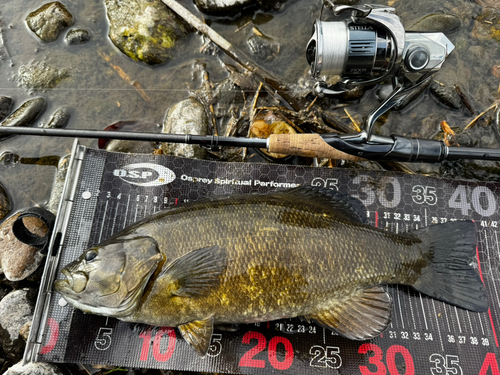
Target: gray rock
[(48, 21), (263, 46), (144, 30), (223, 7), (58, 120), (17, 259), (26, 114), (40, 76), (446, 95), (77, 36), (6, 104), (186, 117), (437, 23), (4, 203), (120, 145), (58, 185), (34, 368), (16, 309)]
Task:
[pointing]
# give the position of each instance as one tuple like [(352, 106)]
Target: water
[(97, 96)]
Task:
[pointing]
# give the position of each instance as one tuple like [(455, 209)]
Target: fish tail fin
[(448, 276)]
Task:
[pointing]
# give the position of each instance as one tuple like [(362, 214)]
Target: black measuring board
[(426, 336)]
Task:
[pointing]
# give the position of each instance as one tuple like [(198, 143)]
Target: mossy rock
[(145, 30), (487, 25)]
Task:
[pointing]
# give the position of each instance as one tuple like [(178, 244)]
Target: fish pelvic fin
[(198, 334), (362, 315), (197, 273), (448, 276)]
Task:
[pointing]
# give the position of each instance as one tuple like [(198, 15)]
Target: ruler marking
[(114, 218), (399, 305), (437, 324), (423, 311), (425, 216), (103, 219), (126, 212), (470, 322), (480, 323), (411, 310), (447, 320), (458, 320), (135, 217)]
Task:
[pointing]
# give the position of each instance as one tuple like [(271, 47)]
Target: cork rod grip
[(308, 145)]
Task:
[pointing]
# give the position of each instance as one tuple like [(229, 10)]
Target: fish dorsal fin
[(198, 334), (346, 207), (361, 316), (196, 273)]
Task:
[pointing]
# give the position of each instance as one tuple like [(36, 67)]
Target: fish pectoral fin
[(196, 273), (198, 334), (360, 316)]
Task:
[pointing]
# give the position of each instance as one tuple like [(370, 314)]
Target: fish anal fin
[(198, 334), (197, 273), (362, 315)]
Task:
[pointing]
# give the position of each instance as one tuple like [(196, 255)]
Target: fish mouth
[(75, 282)]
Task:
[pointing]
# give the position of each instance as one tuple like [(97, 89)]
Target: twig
[(242, 27), (312, 103), (471, 124), (254, 103), (465, 99), (136, 85), (356, 125)]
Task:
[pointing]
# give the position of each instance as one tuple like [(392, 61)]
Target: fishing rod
[(331, 146)]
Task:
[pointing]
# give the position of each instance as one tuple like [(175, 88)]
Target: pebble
[(186, 117), (77, 36), (34, 368), (16, 309), (48, 21), (40, 76), (19, 260), (58, 185), (26, 114), (4, 203), (58, 120), (437, 23), (6, 104), (144, 30), (263, 46), (446, 95)]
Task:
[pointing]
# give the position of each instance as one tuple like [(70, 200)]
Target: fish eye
[(90, 255)]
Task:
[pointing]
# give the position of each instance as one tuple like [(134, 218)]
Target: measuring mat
[(105, 192)]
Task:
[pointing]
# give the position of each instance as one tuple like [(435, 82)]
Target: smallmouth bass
[(258, 257)]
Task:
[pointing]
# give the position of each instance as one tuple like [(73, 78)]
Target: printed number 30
[(103, 339)]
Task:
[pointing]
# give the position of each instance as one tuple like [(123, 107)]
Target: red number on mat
[(146, 343), (248, 358), (490, 362), (376, 359), (54, 336)]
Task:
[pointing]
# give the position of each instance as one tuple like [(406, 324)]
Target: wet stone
[(77, 36), (487, 25), (446, 95), (34, 368), (186, 117), (19, 260), (437, 23), (26, 114), (145, 30), (40, 76), (16, 309), (223, 7), (6, 104), (49, 21), (4, 203), (263, 46), (58, 120), (58, 185)]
